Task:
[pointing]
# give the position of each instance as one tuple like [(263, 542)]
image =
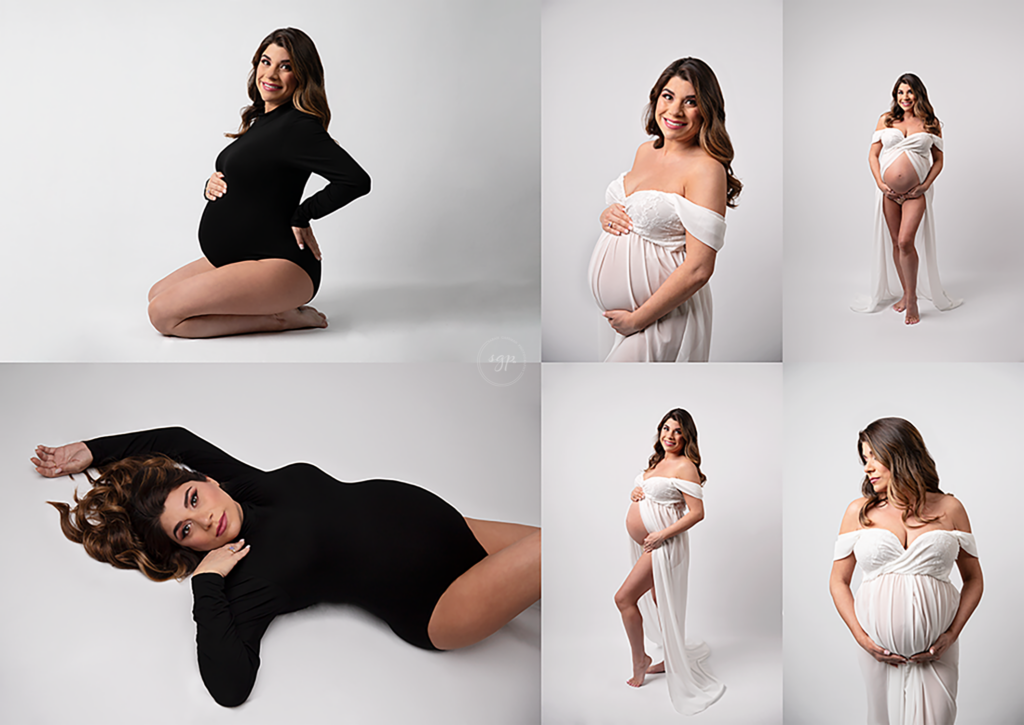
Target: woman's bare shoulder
[(685, 469), (950, 506), (851, 518), (881, 121)]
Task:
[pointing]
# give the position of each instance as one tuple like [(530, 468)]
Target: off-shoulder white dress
[(904, 603), (691, 688), (626, 270), (918, 148)]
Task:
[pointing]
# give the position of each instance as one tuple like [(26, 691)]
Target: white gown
[(691, 688), (626, 270), (904, 603), (918, 148)]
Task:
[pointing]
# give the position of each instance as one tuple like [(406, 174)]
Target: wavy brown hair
[(689, 431), (898, 446), (713, 137), (309, 97), (118, 519), (922, 106)]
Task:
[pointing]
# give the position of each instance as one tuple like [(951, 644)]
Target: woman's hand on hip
[(222, 561), (622, 321), (615, 220), (304, 237), (935, 651), (653, 541), (637, 494), (53, 462), (216, 187), (880, 653)]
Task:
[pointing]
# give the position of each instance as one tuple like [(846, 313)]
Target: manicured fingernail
[(885, 652)]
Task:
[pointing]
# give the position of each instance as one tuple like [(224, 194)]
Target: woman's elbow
[(228, 692), (363, 184)]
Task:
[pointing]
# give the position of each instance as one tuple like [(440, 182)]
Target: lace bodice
[(879, 551)]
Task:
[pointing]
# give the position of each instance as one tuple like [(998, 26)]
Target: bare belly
[(901, 176), (635, 523)]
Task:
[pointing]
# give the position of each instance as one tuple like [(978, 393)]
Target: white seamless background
[(970, 418)]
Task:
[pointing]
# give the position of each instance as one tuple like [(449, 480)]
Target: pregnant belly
[(901, 176), (635, 523), (906, 613), (626, 270)]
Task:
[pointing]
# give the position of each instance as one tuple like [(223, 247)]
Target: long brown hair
[(713, 137), (118, 519), (309, 97), (689, 431), (899, 446), (922, 106)]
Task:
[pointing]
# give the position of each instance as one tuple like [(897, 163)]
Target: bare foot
[(301, 318), (913, 316), (655, 669), (900, 305), (639, 670)]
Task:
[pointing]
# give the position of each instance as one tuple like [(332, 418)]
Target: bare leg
[(913, 212), (639, 580), (179, 275), (488, 596), (264, 295), (893, 213), (496, 535)]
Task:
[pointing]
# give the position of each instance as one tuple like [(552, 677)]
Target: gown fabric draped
[(626, 270), (690, 687), (917, 147), (904, 603)]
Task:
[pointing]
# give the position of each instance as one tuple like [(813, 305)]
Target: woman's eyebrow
[(185, 504)]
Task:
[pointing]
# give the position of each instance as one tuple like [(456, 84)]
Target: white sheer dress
[(691, 688), (626, 270), (904, 603), (918, 148)]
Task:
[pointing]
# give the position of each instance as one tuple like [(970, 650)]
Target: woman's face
[(905, 97), (671, 436), (877, 474), (676, 113), (274, 78), (201, 516)]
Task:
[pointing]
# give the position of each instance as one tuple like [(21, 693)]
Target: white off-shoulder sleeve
[(615, 194), (706, 225), (967, 542), (845, 543), (936, 141), (877, 135), (689, 488)]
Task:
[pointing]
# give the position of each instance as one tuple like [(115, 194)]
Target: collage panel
[(433, 111), (845, 65), (600, 65), (968, 428), (600, 426), (87, 633)]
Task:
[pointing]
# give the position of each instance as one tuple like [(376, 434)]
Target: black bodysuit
[(314, 539), (266, 172)]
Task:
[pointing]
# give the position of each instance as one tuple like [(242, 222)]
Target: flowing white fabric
[(626, 270), (917, 147), (691, 688), (904, 603)]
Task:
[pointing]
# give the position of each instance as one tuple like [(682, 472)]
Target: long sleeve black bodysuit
[(266, 171), (314, 539)]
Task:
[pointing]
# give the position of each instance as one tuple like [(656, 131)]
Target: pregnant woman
[(261, 262), (665, 224), (907, 616), (905, 159), (666, 503), (259, 544)]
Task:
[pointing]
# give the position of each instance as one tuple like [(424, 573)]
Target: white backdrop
[(841, 62), (112, 134), (599, 61), (969, 416), (75, 631), (599, 423)]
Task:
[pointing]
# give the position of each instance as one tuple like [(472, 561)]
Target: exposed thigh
[(913, 212), (496, 535), (256, 287), (640, 578), (191, 269), (893, 213)]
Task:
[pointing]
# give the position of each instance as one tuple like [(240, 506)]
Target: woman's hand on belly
[(637, 494), (304, 237), (615, 220), (935, 651), (623, 322), (915, 191), (880, 653), (216, 187), (653, 541)]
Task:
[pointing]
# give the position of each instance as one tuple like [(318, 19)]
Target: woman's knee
[(161, 317), (625, 599), (905, 242)]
